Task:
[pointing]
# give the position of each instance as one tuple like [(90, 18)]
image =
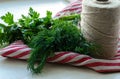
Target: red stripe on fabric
[(12, 46), (71, 9), (76, 2), (82, 60), (107, 70), (73, 5), (118, 51), (67, 59), (11, 51), (57, 56), (58, 14), (117, 55), (63, 11), (94, 64), (18, 43), (22, 54)]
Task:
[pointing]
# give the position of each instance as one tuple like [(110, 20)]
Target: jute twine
[(100, 23)]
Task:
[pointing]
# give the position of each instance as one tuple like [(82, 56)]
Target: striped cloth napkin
[(19, 50)]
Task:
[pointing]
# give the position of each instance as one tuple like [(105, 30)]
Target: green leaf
[(74, 18), (70, 17), (33, 14), (48, 20), (49, 14), (8, 18), (2, 27)]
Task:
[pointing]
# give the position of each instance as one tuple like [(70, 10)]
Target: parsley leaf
[(33, 14), (8, 18)]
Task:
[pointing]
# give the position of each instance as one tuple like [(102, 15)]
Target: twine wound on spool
[(100, 24)]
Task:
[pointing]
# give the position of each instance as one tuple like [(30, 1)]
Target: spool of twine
[(100, 23)]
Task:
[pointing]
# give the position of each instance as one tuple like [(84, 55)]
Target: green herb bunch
[(9, 32), (26, 27), (45, 36), (63, 35)]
